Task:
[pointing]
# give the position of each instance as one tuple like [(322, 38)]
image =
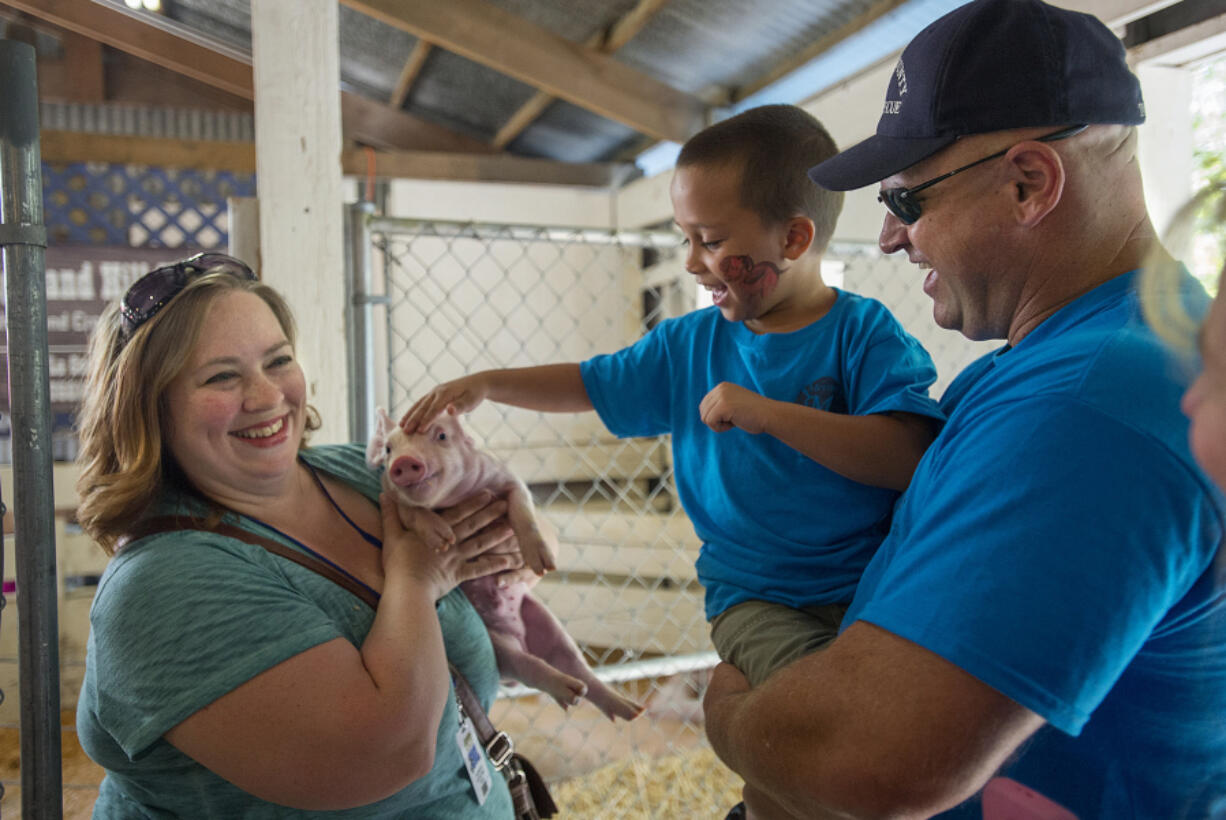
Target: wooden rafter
[(605, 42), (365, 120), (83, 62), (218, 155), (532, 54), (127, 32), (630, 24), (486, 168), (382, 126), (72, 146), (408, 74)]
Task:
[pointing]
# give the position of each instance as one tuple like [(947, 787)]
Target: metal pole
[(23, 241), (361, 334)]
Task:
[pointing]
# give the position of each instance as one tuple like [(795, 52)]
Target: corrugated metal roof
[(147, 121), (372, 53), (712, 49), (696, 44), (471, 98)]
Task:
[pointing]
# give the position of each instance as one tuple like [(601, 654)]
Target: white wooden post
[(296, 61)]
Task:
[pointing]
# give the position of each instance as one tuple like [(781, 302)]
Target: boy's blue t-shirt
[(775, 525), (1059, 543), (182, 618)]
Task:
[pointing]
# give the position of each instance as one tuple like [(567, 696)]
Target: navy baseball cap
[(991, 65)]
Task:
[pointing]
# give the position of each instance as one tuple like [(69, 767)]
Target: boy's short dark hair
[(775, 146)]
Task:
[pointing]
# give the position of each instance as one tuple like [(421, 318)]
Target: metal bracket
[(23, 233)]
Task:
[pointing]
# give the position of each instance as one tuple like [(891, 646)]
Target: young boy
[(788, 519)]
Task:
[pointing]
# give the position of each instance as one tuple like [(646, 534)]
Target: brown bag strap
[(497, 744), (170, 523), (529, 792)]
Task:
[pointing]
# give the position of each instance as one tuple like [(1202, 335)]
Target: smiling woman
[(196, 414), (239, 404)]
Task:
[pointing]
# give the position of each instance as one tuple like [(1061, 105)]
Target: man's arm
[(873, 726), (881, 449)]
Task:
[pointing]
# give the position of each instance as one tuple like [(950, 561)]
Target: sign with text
[(81, 281)]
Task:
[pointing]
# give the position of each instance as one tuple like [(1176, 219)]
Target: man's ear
[(799, 237), (1037, 177)]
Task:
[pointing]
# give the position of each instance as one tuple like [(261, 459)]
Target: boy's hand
[(463, 394), (729, 405)]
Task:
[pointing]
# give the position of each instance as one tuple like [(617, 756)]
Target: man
[(1047, 616)]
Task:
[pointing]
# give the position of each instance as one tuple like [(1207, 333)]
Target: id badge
[(474, 760)]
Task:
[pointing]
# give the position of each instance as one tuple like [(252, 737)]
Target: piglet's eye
[(440, 436)]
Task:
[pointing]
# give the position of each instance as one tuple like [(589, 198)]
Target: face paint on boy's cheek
[(759, 279)]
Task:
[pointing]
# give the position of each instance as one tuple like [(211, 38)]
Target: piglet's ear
[(378, 439)]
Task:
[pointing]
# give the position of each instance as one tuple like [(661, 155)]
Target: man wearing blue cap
[(1044, 629)]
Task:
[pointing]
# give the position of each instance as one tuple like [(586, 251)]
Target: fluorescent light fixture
[(152, 5), (132, 4)]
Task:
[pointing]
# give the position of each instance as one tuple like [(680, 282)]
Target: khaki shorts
[(758, 637)]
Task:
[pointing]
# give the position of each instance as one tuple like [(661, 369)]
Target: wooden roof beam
[(408, 74), (72, 146), (126, 31), (364, 120), (604, 42), (489, 35)]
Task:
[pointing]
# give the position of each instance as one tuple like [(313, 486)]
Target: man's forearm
[(734, 723)]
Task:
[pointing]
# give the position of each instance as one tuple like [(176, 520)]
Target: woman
[(223, 680), (1204, 403)]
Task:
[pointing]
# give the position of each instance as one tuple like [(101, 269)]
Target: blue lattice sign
[(139, 205)]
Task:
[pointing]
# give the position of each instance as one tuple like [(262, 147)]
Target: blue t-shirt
[(1059, 543), (182, 618), (775, 525)]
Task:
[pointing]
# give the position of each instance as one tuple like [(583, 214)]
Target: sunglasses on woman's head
[(903, 203), (151, 292)]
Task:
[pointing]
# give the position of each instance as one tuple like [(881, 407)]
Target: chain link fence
[(458, 298)]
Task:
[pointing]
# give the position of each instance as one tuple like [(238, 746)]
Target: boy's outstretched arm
[(551, 388), (881, 449)]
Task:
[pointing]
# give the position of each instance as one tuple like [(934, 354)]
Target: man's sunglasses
[(151, 292), (903, 203)]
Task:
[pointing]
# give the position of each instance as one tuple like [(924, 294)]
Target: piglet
[(440, 466)]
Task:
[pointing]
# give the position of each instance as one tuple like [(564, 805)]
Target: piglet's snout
[(406, 471)]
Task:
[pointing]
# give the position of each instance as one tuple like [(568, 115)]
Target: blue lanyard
[(315, 554), (367, 536), (370, 539)]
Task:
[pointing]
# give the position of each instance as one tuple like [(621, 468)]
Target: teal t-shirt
[(182, 618)]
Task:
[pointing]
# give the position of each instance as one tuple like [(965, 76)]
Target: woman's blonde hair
[(123, 421), (1162, 302)]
